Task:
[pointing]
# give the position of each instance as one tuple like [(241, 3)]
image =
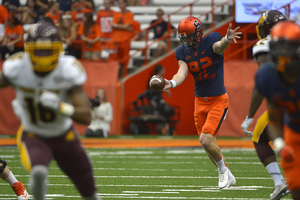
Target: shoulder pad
[(14, 65), (73, 70), (262, 46)]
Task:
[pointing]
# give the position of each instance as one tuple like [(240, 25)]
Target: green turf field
[(164, 173)]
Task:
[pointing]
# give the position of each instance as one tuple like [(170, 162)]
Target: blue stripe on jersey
[(206, 66)]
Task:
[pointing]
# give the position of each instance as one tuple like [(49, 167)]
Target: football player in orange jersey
[(260, 134), (279, 82)]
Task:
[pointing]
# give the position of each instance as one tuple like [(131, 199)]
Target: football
[(157, 83)]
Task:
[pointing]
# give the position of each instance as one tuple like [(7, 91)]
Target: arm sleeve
[(20, 30), (214, 37), (179, 54), (261, 82), (98, 30), (80, 29)]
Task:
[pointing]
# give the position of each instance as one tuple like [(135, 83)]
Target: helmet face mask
[(44, 47), (189, 40), (190, 31), (285, 54), (285, 50)]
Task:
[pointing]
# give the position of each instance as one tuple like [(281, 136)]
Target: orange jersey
[(122, 18), (3, 14), (78, 16), (136, 28), (104, 20), (13, 34), (93, 33), (55, 18)]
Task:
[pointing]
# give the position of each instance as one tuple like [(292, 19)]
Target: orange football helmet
[(285, 45), (190, 31)]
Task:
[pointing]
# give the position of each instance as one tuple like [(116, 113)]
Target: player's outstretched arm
[(179, 77), (80, 102), (220, 46), (3, 81), (256, 101)]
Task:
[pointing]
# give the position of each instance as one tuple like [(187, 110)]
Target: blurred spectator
[(134, 2), (90, 4), (3, 16), (161, 29), (114, 2), (87, 4), (65, 6), (11, 2), (122, 32), (144, 2), (11, 5), (79, 8), (136, 28), (29, 12), (105, 20), (90, 35), (42, 7), (47, 19), (53, 12), (13, 39), (102, 115), (68, 35)]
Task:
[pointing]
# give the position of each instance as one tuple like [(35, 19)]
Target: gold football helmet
[(267, 20), (44, 46)]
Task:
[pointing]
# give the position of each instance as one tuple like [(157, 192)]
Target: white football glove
[(245, 125), (50, 100)]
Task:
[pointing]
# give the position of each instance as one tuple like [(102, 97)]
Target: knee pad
[(3, 166)]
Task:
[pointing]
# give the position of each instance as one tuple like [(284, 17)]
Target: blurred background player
[(203, 57), (279, 82), (260, 136), (9, 177), (49, 91)]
